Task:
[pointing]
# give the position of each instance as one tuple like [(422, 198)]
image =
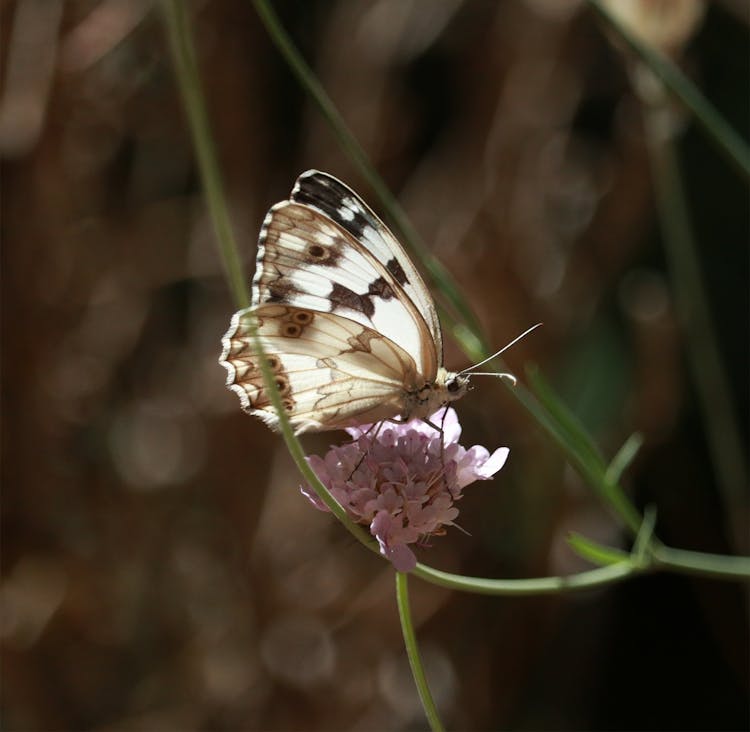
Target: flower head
[(400, 481)]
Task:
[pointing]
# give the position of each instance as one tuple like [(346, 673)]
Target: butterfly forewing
[(341, 204), (306, 259)]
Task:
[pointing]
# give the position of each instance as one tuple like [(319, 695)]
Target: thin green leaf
[(595, 552), (643, 545), (625, 455)]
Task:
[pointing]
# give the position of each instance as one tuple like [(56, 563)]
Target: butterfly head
[(450, 386), (456, 385)]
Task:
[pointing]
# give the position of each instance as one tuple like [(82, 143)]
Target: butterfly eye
[(456, 385)]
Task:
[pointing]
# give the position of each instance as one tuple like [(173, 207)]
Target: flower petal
[(494, 462), (451, 425), (478, 464), (402, 558)]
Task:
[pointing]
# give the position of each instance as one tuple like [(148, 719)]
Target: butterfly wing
[(331, 372), (350, 329), (307, 259), (341, 204)]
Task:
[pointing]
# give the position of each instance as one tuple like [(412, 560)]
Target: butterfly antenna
[(497, 353)]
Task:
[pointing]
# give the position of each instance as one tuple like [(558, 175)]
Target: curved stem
[(536, 586)]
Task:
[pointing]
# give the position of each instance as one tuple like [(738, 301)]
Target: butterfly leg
[(441, 430), (374, 426), (396, 420), (377, 426)]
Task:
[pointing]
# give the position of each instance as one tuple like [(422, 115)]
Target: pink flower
[(396, 479)]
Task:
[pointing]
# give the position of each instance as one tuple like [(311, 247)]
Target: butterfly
[(349, 329)]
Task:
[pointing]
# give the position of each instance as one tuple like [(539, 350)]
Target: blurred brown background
[(160, 570)]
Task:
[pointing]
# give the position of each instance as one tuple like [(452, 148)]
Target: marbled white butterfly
[(349, 328)]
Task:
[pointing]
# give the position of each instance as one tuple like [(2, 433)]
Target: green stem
[(718, 566), (412, 651), (713, 124), (188, 79), (537, 586)]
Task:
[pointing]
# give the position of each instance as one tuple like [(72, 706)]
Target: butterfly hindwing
[(331, 372)]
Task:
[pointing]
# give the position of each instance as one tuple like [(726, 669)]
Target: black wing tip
[(317, 178), (313, 173), (312, 177)]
